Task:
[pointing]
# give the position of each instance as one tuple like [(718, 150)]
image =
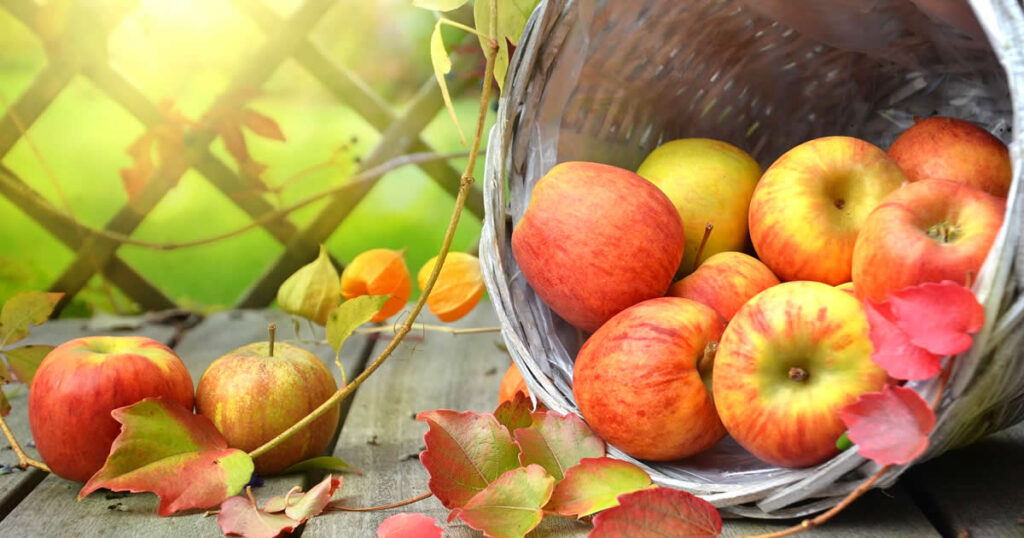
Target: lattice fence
[(78, 52)]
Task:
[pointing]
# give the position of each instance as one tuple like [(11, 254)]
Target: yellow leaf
[(442, 66), (439, 5)]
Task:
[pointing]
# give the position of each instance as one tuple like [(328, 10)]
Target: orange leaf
[(262, 125), (234, 141)]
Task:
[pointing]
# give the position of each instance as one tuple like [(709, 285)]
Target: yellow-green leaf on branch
[(351, 314), (25, 361), (511, 20), (23, 310), (312, 291), (439, 5), (5, 405), (442, 66)]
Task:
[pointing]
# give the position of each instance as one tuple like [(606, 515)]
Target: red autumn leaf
[(262, 125), (658, 512), (889, 427), (234, 140), (939, 317), (167, 136), (894, 351), (163, 448), (465, 452), (557, 442), (514, 413), (594, 485), (239, 517), (406, 525), (511, 505), (133, 179)]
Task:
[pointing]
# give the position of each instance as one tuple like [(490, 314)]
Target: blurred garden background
[(126, 114)]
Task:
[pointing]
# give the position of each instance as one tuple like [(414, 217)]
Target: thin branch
[(416, 499), (430, 328), (23, 459)]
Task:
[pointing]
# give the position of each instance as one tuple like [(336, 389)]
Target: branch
[(418, 498), (23, 459)]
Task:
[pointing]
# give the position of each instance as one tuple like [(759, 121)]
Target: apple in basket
[(810, 204), (956, 150), (642, 380), (927, 231), (596, 239), (789, 360), (708, 181), (725, 282)]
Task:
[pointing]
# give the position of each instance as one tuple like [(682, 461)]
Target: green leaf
[(164, 449), (439, 5), (557, 442), (322, 463), (442, 66), (515, 413), (25, 361), (512, 17), (351, 314), (510, 506), (312, 291), (5, 405), (23, 310), (594, 485)]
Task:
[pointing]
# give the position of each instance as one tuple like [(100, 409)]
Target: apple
[(259, 390), (596, 239), (725, 281), (789, 360), (708, 181), (81, 381), (927, 231), (955, 150), (641, 381), (810, 204)]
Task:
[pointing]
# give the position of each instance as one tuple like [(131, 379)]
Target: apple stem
[(707, 361), (272, 329), (798, 374), (703, 241), (23, 459), (969, 280)]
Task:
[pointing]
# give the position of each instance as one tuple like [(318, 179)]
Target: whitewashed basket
[(607, 81)]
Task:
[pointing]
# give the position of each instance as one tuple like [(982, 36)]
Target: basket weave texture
[(607, 81)]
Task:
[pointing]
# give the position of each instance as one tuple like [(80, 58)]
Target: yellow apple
[(708, 181)]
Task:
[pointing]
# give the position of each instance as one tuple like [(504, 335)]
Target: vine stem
[(465, 183), (416, 499), (865, 486), (23, 459)]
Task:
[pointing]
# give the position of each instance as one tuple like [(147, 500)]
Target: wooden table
[(977, 489)]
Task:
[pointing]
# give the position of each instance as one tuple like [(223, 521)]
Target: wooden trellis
[(81, 50)]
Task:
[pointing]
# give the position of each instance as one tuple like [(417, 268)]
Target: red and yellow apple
[(641, 384), (789, 360), (81, 381), (811, 203), (259, 390), (927, 231), (708, 181), (596, 239), (954, 150), (725, 281)]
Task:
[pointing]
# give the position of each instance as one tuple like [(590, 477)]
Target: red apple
[(810, 204), (257, 391), (927, 231), (81, 381), (725, 281), (596, 239), (789, 360), (955, 150), (641, 384)]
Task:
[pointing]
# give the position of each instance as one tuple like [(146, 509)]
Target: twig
[(430, 328), (23, 459), (418, 498)]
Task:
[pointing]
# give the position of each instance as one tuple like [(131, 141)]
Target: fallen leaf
[(511, 505), (465, 453), (314, 501), (939, 317), (893, 350), (312, 291), (594, 485), (321, 463), (351, 314), (238, 517), (656, 513), (557, 442), (164, 449), (409, 525), (25, 361), (515, 413), (23, 310), (889, 427)]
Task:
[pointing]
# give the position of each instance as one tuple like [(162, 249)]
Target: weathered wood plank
[(102, 513), (975, 489)]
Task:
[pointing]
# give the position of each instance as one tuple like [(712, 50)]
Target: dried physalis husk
[(312, 291), (458, 288), (378, 272)]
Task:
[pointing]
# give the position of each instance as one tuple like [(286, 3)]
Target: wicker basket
[(608, 81)]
